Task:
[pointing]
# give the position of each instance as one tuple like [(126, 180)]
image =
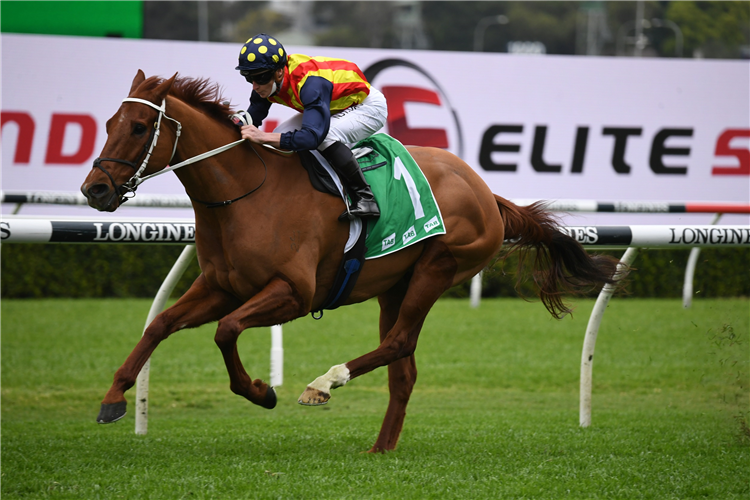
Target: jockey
[(337, 106)]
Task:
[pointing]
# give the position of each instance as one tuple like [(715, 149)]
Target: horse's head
[(132, 148)]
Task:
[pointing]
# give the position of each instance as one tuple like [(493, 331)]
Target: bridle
[(127, 190)]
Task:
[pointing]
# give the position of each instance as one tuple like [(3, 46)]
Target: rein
[(136, 180), (224, 203)]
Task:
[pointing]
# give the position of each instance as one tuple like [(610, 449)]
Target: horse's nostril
[(98, 190)]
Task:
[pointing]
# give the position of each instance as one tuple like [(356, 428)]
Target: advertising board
[(534, 127)]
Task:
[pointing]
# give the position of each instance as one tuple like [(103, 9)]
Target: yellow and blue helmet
[(261, 52)]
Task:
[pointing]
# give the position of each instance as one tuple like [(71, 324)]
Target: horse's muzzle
[(100, 196)]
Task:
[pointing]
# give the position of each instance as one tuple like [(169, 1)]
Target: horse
[(269, 245)]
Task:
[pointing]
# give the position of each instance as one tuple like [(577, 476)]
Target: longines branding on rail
[(144, 231), (106, 232), (622, 235), (584, 235), (713, 236)]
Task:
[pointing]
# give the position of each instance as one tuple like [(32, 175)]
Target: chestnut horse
[(269, 254)]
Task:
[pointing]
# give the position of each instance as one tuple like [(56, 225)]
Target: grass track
[(494, 413)]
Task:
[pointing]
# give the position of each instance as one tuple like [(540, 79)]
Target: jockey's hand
[(254, 134)]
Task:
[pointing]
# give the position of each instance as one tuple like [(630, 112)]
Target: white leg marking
[(336, 377)]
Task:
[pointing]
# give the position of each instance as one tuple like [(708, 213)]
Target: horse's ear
[(137, 81), (163, 88)]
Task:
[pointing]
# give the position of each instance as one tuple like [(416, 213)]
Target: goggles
[(259, 78)]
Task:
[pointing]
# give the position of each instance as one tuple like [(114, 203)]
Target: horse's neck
[(226, 175)]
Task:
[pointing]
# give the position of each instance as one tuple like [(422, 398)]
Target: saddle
[(408, 209), (322, 177)]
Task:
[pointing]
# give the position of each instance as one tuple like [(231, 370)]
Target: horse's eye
[(139, 129)]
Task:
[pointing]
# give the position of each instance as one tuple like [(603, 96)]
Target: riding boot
[(343, 162)]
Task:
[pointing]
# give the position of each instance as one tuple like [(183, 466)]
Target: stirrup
[(346, 215), (351, 213)]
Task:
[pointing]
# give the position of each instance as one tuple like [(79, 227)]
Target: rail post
[(476, 290), (589, 340), (141, 384), (687, 285), (277, 356)]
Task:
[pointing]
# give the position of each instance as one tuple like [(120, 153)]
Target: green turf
[(494, 413)]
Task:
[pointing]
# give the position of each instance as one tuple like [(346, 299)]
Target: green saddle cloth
[(408, 210)]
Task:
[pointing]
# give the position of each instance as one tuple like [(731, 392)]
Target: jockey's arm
[(258, 109), (315, 96)]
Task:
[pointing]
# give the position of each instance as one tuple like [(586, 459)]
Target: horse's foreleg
[(433, 274), (277, 303), (402, 374), (198, 306)]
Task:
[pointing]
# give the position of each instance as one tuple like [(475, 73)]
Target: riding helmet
[(262, 52)]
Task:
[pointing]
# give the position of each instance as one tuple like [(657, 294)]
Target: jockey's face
[(267, 89)]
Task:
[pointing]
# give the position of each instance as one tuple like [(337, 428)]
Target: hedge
[(721, 272), (36, 271)]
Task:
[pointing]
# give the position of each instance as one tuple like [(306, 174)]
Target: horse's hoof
[(313, 397), (269, 402), (112, 412)]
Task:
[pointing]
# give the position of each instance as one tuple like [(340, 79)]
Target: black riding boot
[(343, 162)]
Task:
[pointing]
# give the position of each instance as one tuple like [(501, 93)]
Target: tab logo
[(431, 224), (389, 241), (409, 235)]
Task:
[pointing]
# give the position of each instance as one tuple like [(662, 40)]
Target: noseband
[(127, 190)]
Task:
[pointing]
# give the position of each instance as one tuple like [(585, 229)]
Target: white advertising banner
[(534, 127)]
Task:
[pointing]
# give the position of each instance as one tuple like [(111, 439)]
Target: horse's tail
[(561, 265)]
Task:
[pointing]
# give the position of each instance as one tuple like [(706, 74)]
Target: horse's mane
[(200, 93)]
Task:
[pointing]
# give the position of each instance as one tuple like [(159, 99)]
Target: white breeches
[(350, 125)]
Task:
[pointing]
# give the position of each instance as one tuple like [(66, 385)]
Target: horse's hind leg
[(198, 306), (433, 274), (402, 373)]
